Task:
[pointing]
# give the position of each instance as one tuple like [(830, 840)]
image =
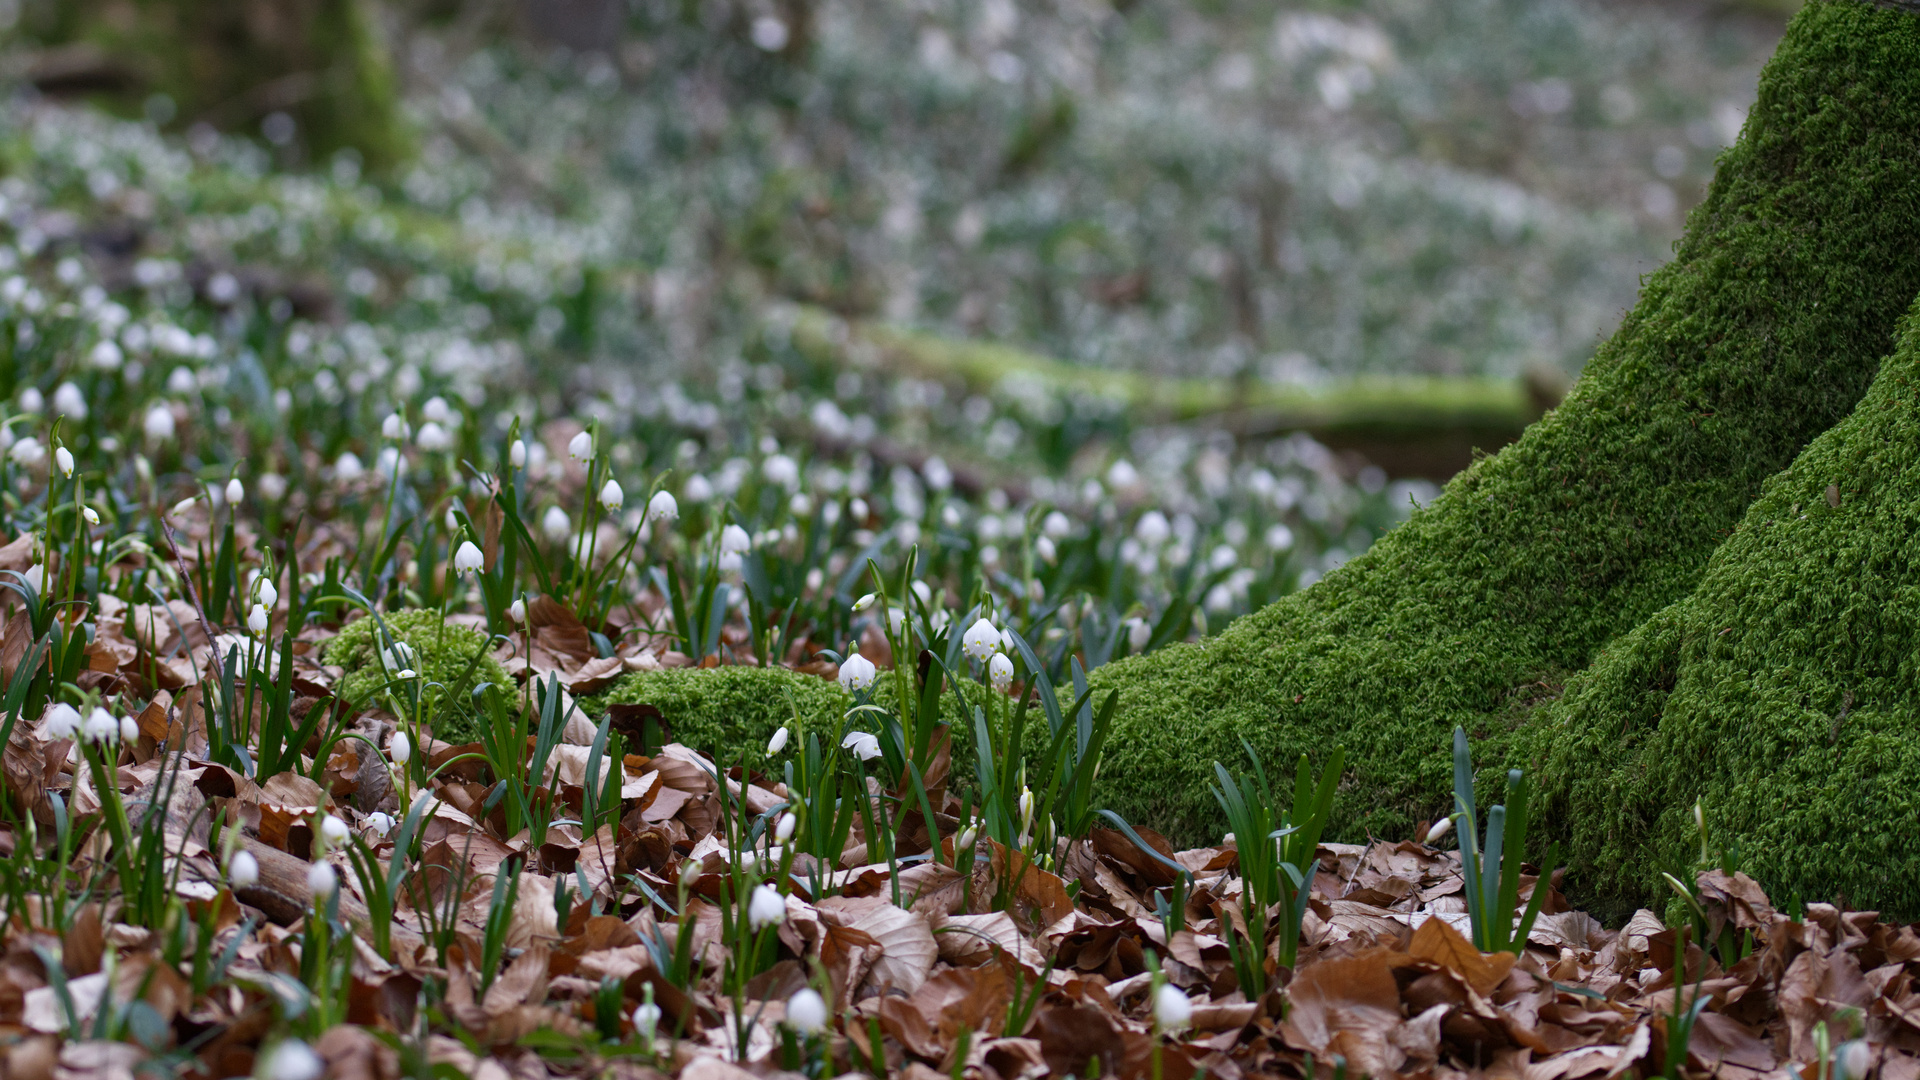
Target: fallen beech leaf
[(1435, 941)]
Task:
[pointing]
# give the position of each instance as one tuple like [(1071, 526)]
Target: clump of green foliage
[(1764, 330), (1782, 694), (730, 712), (451, 660)]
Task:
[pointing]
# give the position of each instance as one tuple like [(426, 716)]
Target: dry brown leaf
[(1435, 941)]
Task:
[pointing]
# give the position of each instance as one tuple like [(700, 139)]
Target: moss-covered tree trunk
[(233, 62), (1783, 693), (1764, 331)]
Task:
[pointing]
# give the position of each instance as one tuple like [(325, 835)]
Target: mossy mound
[(443, 655), (729, 713), (1764, 331), (1783, 693)]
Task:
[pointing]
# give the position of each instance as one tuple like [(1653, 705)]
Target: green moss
[(729, 713), (1781, 692), (1763, 331), (442, 655)]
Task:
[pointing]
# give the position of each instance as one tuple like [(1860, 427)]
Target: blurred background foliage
[(1259, 197)]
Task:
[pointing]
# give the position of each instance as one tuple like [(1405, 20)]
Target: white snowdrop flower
[(100, 726), (322, 882), (468, 558), (243, 870), (1000, 670), (646, 1019), (273, 486), (698, 489), (611, 497), (92, 515), (1279, 538), (690, 872), (62, 721), (69, 401), (1056, 525), (28, 452), (1006, 640), (406, 674), (778, 742), (236, 492), (432, 438), (556, 524), (580, 447), (1223, 557), (1139, 633), (801, 505), (769, 34), (1026, 808), (180, 381), (36, 577), (765, 908), (106, 356), (730, 562), (950, 517), (1044, 547), (436, 410), (257, 620), (129, 729), (856, 673), (857, 509), (63, 459), (394, 427), (863, 603), (1171, 1009), (1439, 831), (333, 831), (1853, 1060), (783, 829), (980, 640), (735, 541), (1153, 529), (864, 745), (662, 507), (939, 477), (896, 621), (781, 471), (807, 1011), (380, 824), (517, 454), (1122, 475), (400, 748), (517, 611), (32, 401), (347, 467), (1219, 600), (265, 593), (966, 838)]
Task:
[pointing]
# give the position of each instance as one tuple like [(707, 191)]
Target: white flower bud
[(580, 447), (765, 908), (1440, 829), (322, 882), (63, 458), (611, 497), (100, 726), (863, 603), (380, 824), (663, 507), (807, 1012), (92, 515), (980, 640), (236, 492), (468, 558), (62, 721), (783, 829), (257, 620), (243, 870), (129, 729), (517, 611), (517, 454), (1000, 670), (778, 742), (1171, 1009), (400, 748), (332, 830), (856, 673), (556, 524)]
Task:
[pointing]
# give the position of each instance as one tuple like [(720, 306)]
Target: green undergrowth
[(729, 713), (443, 655), (1764, 330), (1783, 693)]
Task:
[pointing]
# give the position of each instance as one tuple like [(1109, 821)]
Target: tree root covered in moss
[(1764, 331)]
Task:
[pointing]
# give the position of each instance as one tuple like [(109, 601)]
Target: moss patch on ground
[(729, 713), (1783, 692), (443, 655), (1764, 330)]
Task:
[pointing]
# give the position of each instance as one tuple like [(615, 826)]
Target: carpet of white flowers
[(335, 521)]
